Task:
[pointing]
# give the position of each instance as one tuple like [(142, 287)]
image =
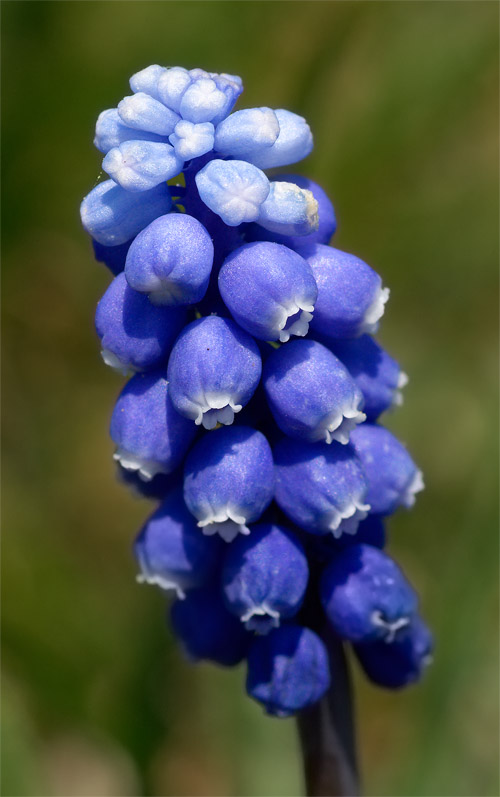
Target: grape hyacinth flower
[(229, 480), (213, 371), (310, 393), (269, 289), (252, 416), (170, 550), (264, 577)]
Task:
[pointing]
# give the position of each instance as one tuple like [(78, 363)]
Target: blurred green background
[(403, 101)]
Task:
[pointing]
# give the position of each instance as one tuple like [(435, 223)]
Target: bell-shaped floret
[(213, 371), (289, 210), (365, 595), (171, 551), (269, 289), (135, 335), (311, 394), (246, 132), (141, 165), (377, 375), (171, 260), (110, 131), (146, 81), (294, 142), (288, 670), (322, 488), (401, 662), (351, 298), (142, 112), (206, 630), (234, 190), (192, 141), (393, 477), (113, 216), (264, 577), (150, 435), (327, 223), (229, 480)]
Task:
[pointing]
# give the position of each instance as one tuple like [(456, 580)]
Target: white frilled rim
[(261, 619), (227, 521), (415, 486), (146, 469), (345, 520), (374, 311), (339, 423), (390, 629), (300, 327), (215, 407), (398, 398), (147, 576), (166, 293), (114, 362)]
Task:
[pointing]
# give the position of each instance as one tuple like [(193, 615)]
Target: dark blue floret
[(265, 577), (366, 596), (288, 670), (403, 661)]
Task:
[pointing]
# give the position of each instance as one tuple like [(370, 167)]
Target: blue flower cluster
[(251, 414)]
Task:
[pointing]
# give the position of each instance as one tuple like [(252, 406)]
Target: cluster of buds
[(251, 414)]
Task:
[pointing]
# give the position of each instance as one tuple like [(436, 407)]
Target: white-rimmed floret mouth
[(216, 408), (227, 521), (146, 469), (345, 520), (299, 326), (261, 619), (339, 424), (415, 486), (114, 362), (167, 293), (398, 398), (374, 311), (390, 628), (147, 576)]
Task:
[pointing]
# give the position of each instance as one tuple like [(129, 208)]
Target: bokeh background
[(403, 101)]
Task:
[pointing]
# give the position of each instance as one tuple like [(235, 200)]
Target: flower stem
[(326, 729)]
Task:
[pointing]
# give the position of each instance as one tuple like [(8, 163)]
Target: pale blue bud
[(246, 132), (289, 210), (192, 141), (294, 142), (142, 112), (141, 165), (234, 190), (113, 216), (111, 132), (146, 81)]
